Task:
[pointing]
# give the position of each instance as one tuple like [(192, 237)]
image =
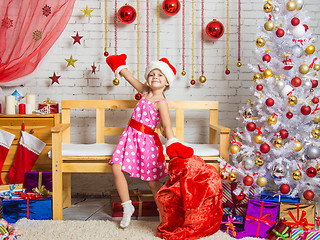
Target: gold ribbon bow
[(41, 189)]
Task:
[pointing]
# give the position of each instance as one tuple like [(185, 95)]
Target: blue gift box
[(237, 222), (37, 209), (275, 197)]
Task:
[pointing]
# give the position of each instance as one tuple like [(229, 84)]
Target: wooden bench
[(70, 158)]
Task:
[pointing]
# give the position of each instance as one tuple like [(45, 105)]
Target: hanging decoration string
[(158, 29), (183, 73), (105, 28), (202, 78), (227, 43), (147, 30), (115, 27), (239, 64), (192, 48)]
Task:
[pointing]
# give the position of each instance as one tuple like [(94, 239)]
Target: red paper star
[(54, 78), (93, 69), (77, 38)]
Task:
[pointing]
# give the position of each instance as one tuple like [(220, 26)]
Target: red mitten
[(117, 63), (177, 149)]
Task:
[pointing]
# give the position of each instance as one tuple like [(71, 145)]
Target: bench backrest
[(101, 106)]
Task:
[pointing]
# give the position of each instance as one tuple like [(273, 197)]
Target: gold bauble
[(318, 168), (202, 79), (276, 78), (291, 5), (262, 181), (183, 73), (258, 138), (267, 8), (297, 146), (272, 120), (257, 76), (234, 149), (223, 175), (115, 82), (269, 26), (292, 100), (315, 133), (259, 161), (316, 67), (267, 73), (304, 69), (316, 119), (239, 64), (260, 42), (296, 174), (278, 143), (310, 49), (232, 176)]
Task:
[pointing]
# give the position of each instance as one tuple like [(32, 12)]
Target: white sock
[(128, 210)]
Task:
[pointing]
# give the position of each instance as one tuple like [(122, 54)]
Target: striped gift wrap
[(300, 234)]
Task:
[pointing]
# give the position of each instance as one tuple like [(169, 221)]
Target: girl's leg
[(154, 186)]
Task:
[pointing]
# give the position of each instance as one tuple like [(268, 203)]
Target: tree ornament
[(260, 42), (289, 115), (296, 174), (280, 84), (314, 83), (292, 100), (311, 172), (284, 188), (316, 119), (241, 196), (306, 27), (297, 146), (232, 176), (278, 143), (316, 67), (171, 7), (313, 151), (291, 5), (315, 133), (239, 64), (283, 133), (307, 84), (318, 168), (264, 148), (278, 171), (269, 25), (183, 73), (268, 7), (259, 161), (315, 100), (280, 32), (251, 126), (299, 4), (192, 82), (297, 51), (295, 21), (287, 91), (299, 31), (247, 113), (215, 29), (259, 87), (115, 82), (227, 72), (267, 73), (257, 76), (272, 120), (266, 58), (269, 102), (247, 180), (223, 174), (296, 81), (305, 110), (288, 63), (106, 54), (127, 14), (258, 138), (248, 163), (202, 79), (234, 149), (138, 96), (310, 49), (261, 181), (308, 195)]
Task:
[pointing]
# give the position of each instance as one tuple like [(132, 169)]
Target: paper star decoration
[(77, 38), (87, 12), (93, 69), (54, 78), (71, 61)]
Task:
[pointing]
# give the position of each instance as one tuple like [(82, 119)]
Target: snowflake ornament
[(46, 10)]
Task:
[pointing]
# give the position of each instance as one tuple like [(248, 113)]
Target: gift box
[(39, 182), (48, 107), (143, 202), (298, 215), (279, 231), (232, 224), (274, 197), (232, 204), (300, 234), (261, 217)]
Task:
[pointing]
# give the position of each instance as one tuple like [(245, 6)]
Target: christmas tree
[(278, 146)]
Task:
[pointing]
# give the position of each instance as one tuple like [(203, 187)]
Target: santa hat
[(165, 67)]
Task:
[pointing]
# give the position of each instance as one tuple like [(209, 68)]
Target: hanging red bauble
[(284, 133), (296, 82), (215, 29), (305, 27), (308, 195), (192, 82), (305, 110), (315, 100), (289, 115), (284, 188), (314, 83), (227, 72), (247, 180), (269, 102), (288, 64), (241, 196), (311, 172), (127, 14), (266, 58), (264, 148), (138, 96), (251, 126), (295, 21), (106, 54), (280, 32), (171, 7), (259, 87)]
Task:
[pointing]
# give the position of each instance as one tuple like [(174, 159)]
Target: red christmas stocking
[(6, 139), (28, 152)]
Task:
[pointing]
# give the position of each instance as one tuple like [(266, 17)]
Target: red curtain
[(28, 29)]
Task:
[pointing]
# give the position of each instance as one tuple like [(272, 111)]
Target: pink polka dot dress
[(137, 152)]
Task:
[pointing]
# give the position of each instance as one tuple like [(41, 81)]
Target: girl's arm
[(165, 119), (139, 86)]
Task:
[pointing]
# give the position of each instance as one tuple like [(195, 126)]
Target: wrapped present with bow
[(142, 200), (261, 217), (300, 234), (276, 197), (48, 107), (279, 232), (39, 182), (233, 204), (232, 224), (11, 191), (298, 215)]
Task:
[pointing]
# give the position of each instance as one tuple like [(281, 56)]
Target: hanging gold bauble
[(316, 119), (267, 73), (260, 42), (297, 146), (278, 143), (257, 76), (183, 73), (315, 133), (292, 100), (258, 138), (267, 8), (272, 120), (262, 181), (259, 161), (115, 82), (234, 149), (239, 64), (304, 69), (269, 26), (316, 67), (318, 168), (296, 174), (223, 175), (232, 176), (202, 79), (291, 5), (310, 49)]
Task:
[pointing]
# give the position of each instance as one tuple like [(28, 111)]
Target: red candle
[(22, 108)]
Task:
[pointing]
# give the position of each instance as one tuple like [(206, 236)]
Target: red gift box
[(49, 107), (143, 202), (279, 231)]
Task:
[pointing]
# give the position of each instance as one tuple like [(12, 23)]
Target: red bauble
[(106, 54), (311, 172), (305, 110), (264, 148), (295, 21), (289, 115), (280, 32), (315, 100), (127, 14), (138, 96), (248, 180), (314, 83), (288, 64), (308, 195), (284, 133), (259, 87), (241, 196), (284, 188), (227, 71), (251, 126), (296, 82), (171, 7), (305, 27), (266, 58), (269, 102), (215, 29)]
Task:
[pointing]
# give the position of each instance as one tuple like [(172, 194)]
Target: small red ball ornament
[(311, 172), (127, 14), (138, 96), (315, 100), (227, 71), (248, 180), (305, 27), (266, 58), (296, 82), (308, 195), (251, 126), (106, 54), (171, 7), (264, 148), (314, 83), (192, 82), (295, 21), (259, 87), (284, 133), (284, 188), (269, 102), (280, 32), (305, 110), (288, 64), (241, 196), (289, 115), (215, 29)]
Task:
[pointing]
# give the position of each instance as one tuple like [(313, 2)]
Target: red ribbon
[(317, 109), (289, 93), (318, 220), (299, 222), (148, 130), (311, 65), (235, 141), (259, 130), (260, 68), (28, 197)]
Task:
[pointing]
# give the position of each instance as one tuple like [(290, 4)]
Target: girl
[(139, 151)]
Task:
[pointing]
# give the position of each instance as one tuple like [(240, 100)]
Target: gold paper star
[(71, 61), (87, 12)]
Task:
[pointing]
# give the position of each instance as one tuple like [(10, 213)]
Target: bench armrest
[(60, 127), (220, 128), (223, 140)]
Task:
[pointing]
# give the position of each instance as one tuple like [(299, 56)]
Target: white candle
[(31, 99), (10, 105), (28, 108)]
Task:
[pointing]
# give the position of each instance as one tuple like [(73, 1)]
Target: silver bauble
[(278, 171), (280, 84), (276, 9), (286, 90), (313, 152), (307, 84), (248, 163), (259, 101), (297, 51), (299, 4), (298, 31)]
